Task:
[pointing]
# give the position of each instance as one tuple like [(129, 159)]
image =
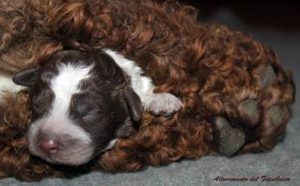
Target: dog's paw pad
[(249, 111), (162, 104), (231, 139), (269, 77), (276, 115)]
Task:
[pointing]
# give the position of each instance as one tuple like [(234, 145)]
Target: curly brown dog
[(235, 94)]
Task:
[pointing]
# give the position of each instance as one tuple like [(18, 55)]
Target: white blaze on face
[(64, 85)]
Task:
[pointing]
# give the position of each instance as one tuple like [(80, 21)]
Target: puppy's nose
[(49, 146)]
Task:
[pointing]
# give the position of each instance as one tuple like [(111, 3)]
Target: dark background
[(277, 14)]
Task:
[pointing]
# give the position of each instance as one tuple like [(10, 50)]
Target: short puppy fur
[(78, 103), (81, 104)]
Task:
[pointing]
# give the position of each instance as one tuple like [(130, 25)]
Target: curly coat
[(211, 68)]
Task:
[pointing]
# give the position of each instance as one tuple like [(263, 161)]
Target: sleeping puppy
[(84, 101)]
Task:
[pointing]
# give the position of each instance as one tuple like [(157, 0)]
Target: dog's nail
[(231, 139), (276, 115)]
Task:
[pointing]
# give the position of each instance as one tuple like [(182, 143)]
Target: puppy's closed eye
[(81, 106), (42, 101), (81, 109)]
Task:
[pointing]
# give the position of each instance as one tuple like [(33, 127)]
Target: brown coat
[(213, 70)]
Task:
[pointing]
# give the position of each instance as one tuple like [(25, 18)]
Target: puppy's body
[(76, 92)]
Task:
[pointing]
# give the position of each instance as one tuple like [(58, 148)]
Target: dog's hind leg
[(266, 117), (256, 117)]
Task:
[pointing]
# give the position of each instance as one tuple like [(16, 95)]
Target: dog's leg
[(265, 117), (157, 103)]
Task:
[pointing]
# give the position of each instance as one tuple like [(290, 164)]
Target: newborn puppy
[(82, 102)]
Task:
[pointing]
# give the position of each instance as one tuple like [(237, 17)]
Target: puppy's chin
[(61, 159)]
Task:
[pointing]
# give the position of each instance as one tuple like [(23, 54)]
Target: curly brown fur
[(211, 68)]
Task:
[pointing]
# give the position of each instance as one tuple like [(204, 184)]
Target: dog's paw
[(231, 139), (161, 103)]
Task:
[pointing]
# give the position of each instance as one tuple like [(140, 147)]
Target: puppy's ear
[(134, 104), (26, 78), (135, 109), (126, 129)]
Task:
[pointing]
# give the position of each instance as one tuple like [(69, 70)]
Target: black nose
[(48, 146)]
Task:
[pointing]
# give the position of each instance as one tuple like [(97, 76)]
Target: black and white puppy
[(84, 101)]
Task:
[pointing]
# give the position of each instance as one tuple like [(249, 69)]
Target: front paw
[(161, 104)]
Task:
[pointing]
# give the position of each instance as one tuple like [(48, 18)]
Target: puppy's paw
[(161, 103)]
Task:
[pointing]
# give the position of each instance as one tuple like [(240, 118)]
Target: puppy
[(83, 102)]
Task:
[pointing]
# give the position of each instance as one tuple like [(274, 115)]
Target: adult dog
[(234, 92)]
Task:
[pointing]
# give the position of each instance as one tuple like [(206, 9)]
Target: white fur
[(6, 84), (64, 86), (110, 145), (143, 86)]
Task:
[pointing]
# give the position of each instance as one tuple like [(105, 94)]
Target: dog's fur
[(216, 72)]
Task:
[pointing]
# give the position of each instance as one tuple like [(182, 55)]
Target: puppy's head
[(81, 104)]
